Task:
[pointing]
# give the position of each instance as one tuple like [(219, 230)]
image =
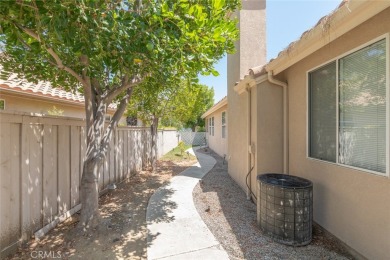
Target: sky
[(286, 21)]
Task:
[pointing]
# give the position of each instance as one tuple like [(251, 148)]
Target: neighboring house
[(21, 96), (321, 110), (216, 127)]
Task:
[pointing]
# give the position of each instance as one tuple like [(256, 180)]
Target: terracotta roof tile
[(321, 22), (42, 88), (260, 70), (257, 71)]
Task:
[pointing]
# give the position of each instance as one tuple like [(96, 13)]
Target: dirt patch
[(123, 232)]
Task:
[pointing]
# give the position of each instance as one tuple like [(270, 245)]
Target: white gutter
[(285, 119)]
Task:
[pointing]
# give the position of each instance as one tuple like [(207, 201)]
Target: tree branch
[(26, 5), (94, 103), (115, 120), (61, 66), (99, 120), (52, 53), (96, 85), (125, 85), (163, 110), (29, 32), (89, 95), (89, 108), (23, 42)]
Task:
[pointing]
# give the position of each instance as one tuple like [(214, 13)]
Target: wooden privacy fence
[(41, 161)]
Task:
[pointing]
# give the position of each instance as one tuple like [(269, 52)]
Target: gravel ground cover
[(224, 208)]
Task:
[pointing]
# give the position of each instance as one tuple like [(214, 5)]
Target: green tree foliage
[(105, 49), (187, 106), (203, 101), (179, 104), (174, 102)]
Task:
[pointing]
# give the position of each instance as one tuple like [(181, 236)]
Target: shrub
[(182, 147)]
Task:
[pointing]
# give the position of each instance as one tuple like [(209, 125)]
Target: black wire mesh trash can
[(285, 208)]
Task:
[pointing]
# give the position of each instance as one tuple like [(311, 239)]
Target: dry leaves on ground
[(123, 232)]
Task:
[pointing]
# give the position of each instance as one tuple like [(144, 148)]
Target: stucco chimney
[(250, 52), (251, 47)]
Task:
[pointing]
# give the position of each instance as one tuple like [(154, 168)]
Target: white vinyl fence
[(193, 138), (166, 141), (41, 160)]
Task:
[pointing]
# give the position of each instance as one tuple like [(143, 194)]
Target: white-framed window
[(224, 124), (348, 109), (211, 126), (2, 104)]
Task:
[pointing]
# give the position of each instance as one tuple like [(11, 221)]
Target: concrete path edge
[(175, 228)]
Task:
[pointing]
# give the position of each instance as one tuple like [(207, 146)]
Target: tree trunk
[(98, 142), (153, 129), (89, 193)]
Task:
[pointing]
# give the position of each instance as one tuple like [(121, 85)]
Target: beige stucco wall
[(26, 104), (266, 136), (37, 105), (268, 129), (250, 52), (354, 205), (266, 133), (216, 142)]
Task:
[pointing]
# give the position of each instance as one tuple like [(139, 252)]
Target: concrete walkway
[(175, 229)]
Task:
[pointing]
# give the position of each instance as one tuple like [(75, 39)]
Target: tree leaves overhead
[(119, 38), (106, 49)]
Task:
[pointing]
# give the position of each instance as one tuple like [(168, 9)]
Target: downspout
[(249, 184), (272, 80)]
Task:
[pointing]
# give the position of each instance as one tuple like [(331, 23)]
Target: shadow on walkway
[(175, 229)]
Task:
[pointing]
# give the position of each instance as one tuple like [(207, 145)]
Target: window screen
[(322, 112), (211, 126)]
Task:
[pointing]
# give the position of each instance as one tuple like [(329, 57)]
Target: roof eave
[(249, 81), (41, 96), (214, 108), (347, 17)]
